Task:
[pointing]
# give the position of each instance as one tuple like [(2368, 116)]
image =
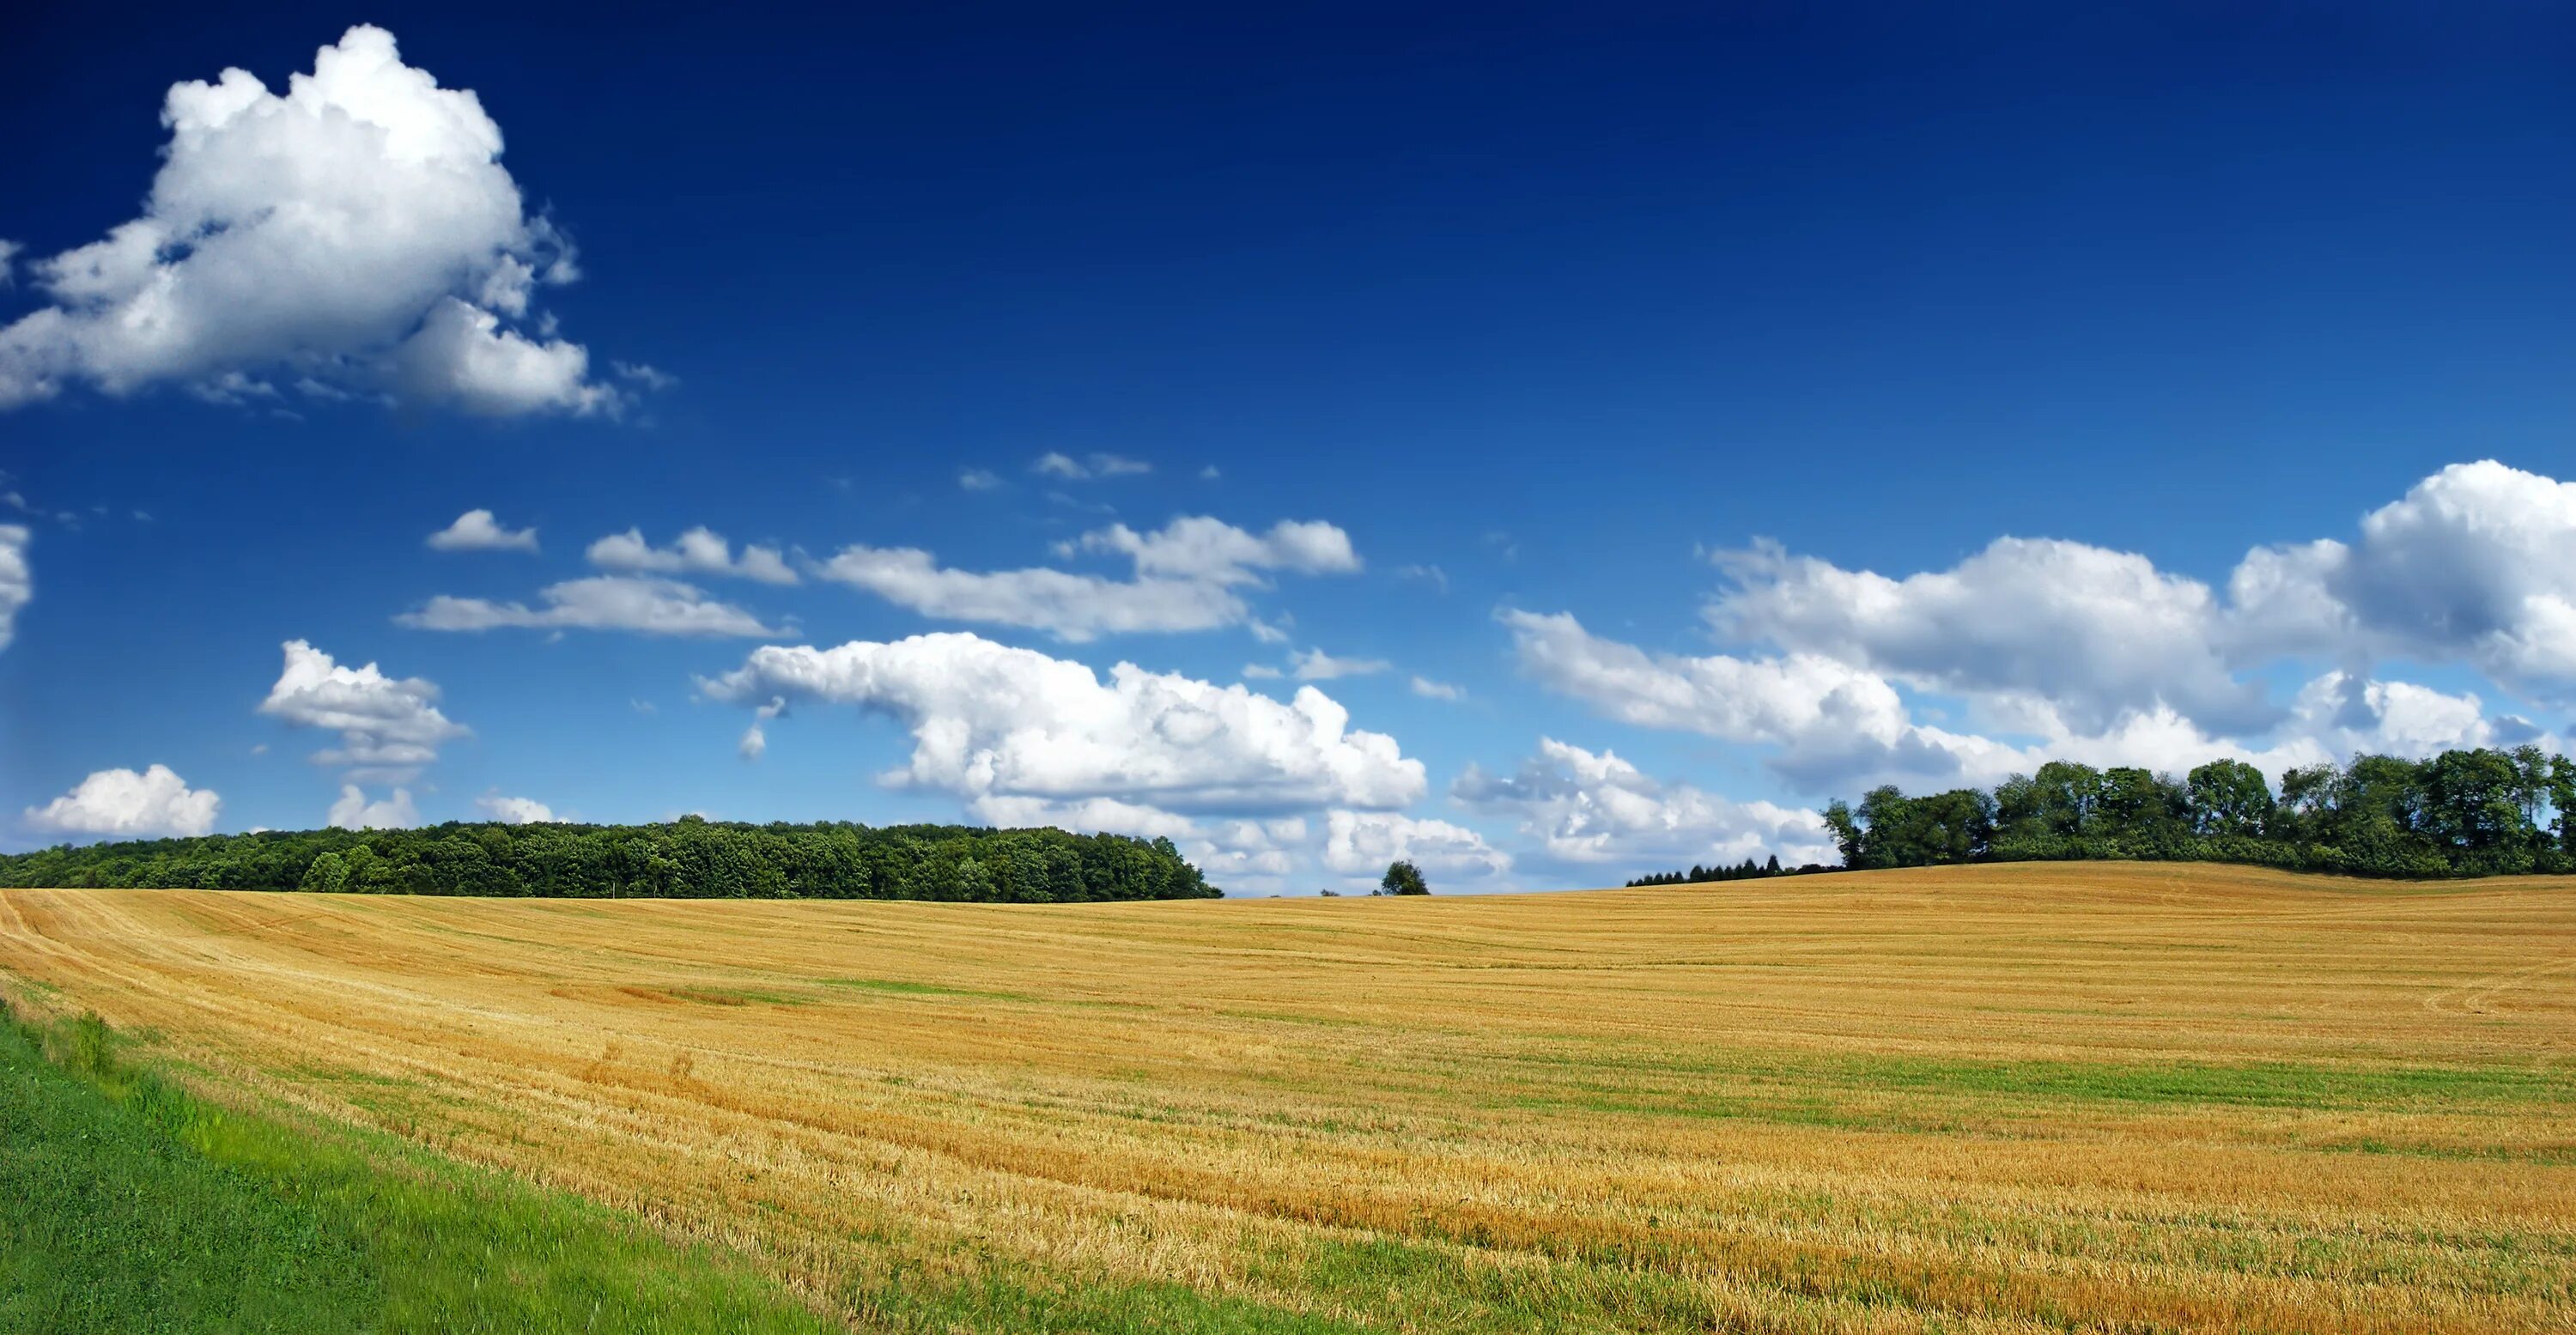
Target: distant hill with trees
[(1747, 870), (690, 858), (2481, 812)]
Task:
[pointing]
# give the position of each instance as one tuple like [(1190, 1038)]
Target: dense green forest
[(2461, 813), (690, 859)]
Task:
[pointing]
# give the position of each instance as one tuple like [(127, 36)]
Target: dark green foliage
[(689, 859), (2461, 813), (1403, 878)]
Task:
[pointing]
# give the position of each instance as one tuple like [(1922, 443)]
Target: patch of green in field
[(736, 996), (2258, 1085), (899, 988), (1811, 1088), (924, 1304), (128, 1205)]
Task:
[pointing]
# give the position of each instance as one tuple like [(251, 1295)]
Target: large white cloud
[(479, 531), (700, 551), (2095, 655), (1188, 576), (1590, 808), (17, 583), (1016, 732), (355, 234), (2095, 633), (155, 803), (1831, 721), (641, 604), (389, 727), (1831, 727), (2476, 563)]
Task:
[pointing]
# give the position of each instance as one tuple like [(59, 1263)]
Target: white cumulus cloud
[(156, 803), (356, 234), (389, 727), (2095, 633), (2476, 563), (700, 551), (1015, 731), (479, 531)]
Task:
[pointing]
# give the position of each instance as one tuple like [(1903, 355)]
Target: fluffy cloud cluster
[(156, 803), (1827, 718), (389, 727), (1021, 735), (1587, 809), (641, 598), (1188, 576), (356, 234), (2097, 655), (700, 551), (2476, 563), (17, 584), (479, 531), (2094, 634)]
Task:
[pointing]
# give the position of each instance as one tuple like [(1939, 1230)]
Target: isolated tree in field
[(1403, 878)]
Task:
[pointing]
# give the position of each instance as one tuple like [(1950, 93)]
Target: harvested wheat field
[(2021, 1098)]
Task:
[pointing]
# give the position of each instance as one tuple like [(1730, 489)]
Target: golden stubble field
[(2072, 1097)]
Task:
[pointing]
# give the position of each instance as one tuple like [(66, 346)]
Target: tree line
[(692, 858), (1747, 870), (2481, 812)]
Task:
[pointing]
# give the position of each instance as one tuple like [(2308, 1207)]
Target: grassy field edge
[(130, 1204)]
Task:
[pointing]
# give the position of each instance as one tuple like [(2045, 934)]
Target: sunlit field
[(2020, 1098)]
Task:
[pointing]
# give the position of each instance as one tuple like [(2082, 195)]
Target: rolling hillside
[(2017, 1098)]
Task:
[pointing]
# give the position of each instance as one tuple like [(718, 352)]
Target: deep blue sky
[(1550, 298)]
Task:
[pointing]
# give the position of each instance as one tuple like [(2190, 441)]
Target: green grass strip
[(127, 1205)]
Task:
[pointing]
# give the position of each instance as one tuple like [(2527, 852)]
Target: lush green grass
[(109, 1222), (1004, 1299), (129, 1206)]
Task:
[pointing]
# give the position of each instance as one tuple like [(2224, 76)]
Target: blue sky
[(1653, 384)]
